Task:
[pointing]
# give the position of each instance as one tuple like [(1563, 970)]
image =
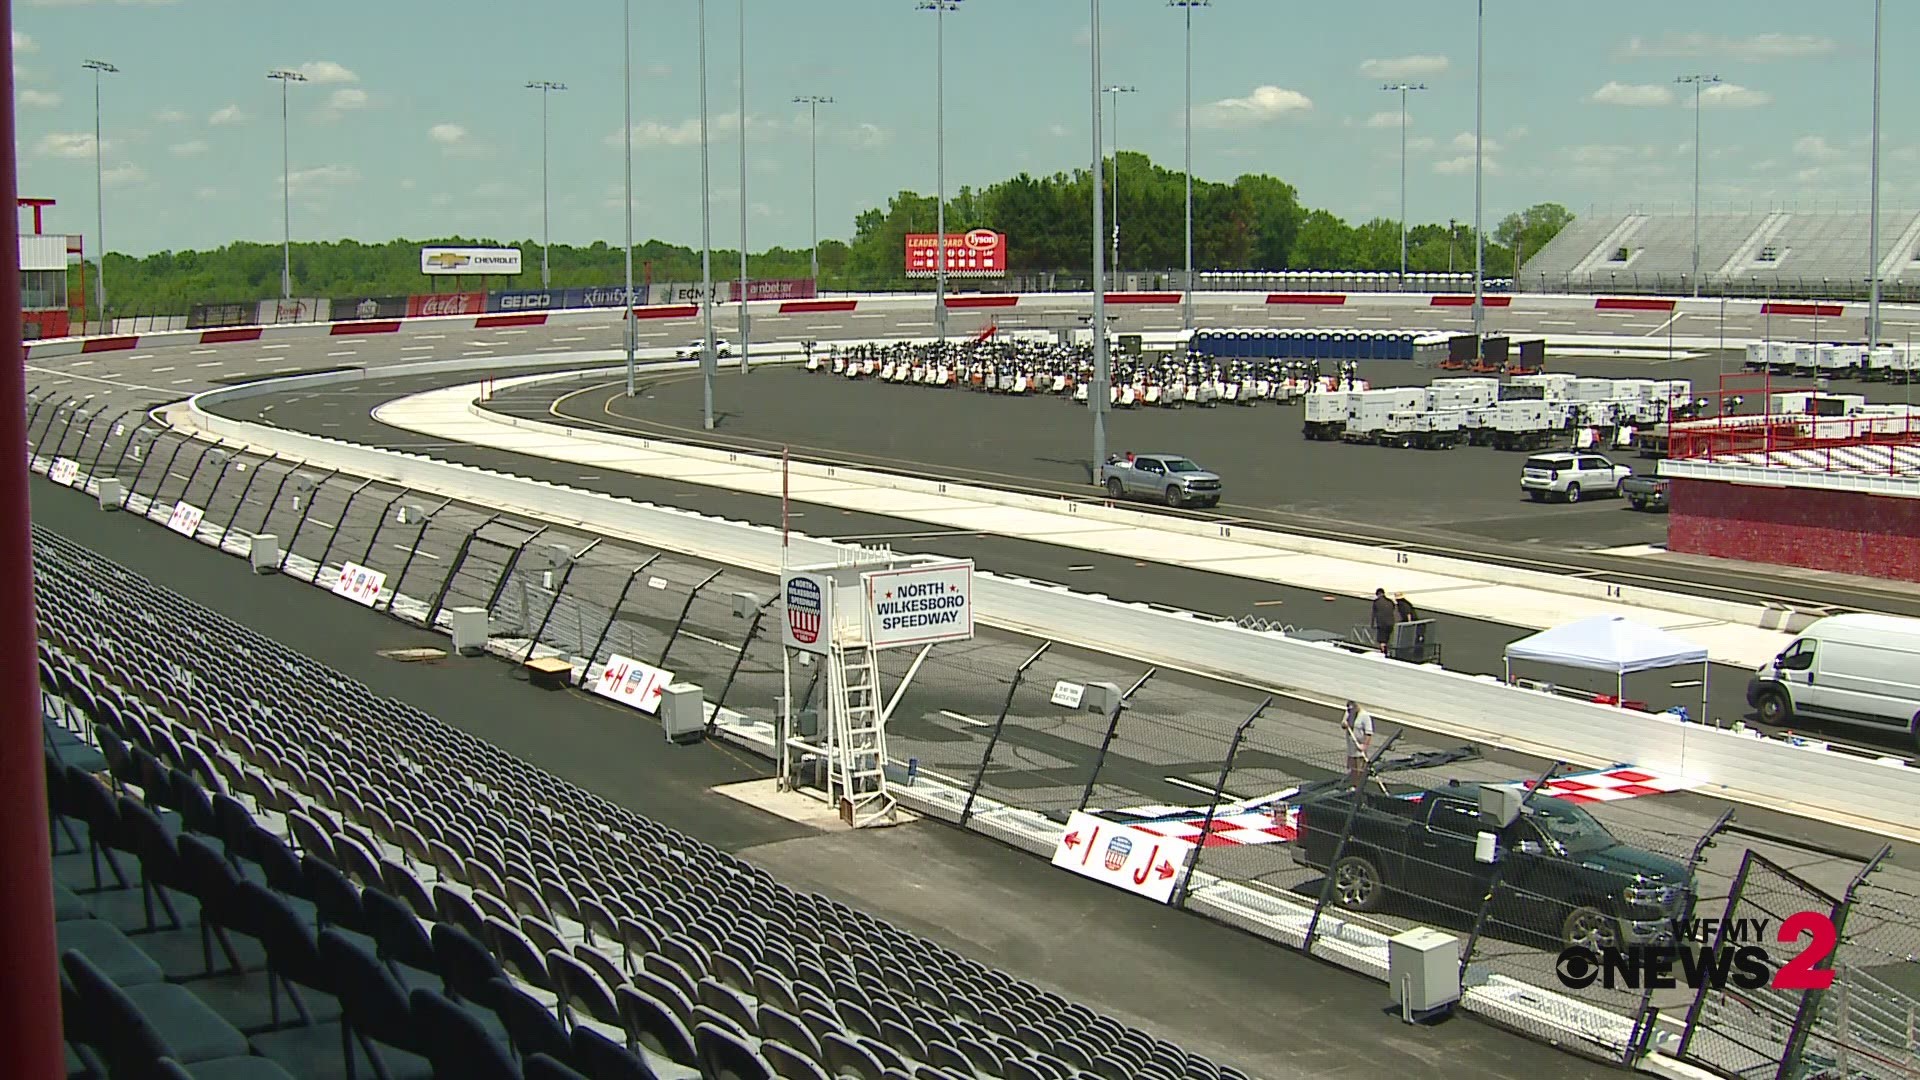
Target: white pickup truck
[(1171, 478)]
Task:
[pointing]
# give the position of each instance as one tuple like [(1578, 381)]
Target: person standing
[(1358, 724), (1384, 616), (1403, 608)]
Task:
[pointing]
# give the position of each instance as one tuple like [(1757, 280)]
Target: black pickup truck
[(1646, 492), (1565, 877)]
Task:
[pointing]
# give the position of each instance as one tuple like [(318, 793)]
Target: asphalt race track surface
[(1212, 989)]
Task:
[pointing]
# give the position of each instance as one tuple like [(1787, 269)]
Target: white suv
[(721, 349), (1571, 476)]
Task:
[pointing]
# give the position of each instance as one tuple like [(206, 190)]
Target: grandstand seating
[(234, 822), (1810, 248)]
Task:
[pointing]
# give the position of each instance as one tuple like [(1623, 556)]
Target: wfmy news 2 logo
[(1716, 953)]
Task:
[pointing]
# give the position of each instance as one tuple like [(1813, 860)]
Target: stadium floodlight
[(707, 360), (99, 68), (813, 103), (1699, 84), (1187, 6), (1403, 89), (546, 88), (1873, 226), (746, 330), (630, 329), (1479, 170), (285, 77), (1116, 91), (1102, 373), (940, 9)]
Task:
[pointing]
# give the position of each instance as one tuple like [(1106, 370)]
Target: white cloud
[(1389, 119), (321, 179), (408, 184), (1637, 95), (1083, 37), (206, 193), (66, 144), (1463, 142), (89, 3), (1731, 96), (495, 189), (190, 148), (38, 99), (1058, 131), (326, 72), (447, 134), (1817, 148), (1605, 156), (1405, 67), (1455, 166), (170, 116), (348, 98), (226, 114), (123, 175), (23, 43), (687, 132), (1757, 48), (1265, 104)]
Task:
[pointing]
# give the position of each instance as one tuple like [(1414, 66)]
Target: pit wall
[(1846, 532)]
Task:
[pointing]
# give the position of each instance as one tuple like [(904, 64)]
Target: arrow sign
[(1122, 856)]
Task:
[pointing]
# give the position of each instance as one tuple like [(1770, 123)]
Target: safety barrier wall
[(977, 303), (1797, 780)]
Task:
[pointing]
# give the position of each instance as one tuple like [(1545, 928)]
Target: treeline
[(1254, 223)]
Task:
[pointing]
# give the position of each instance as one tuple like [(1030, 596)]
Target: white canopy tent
[(1616, 644)]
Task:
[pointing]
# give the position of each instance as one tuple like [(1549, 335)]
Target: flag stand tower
[(831, 724)]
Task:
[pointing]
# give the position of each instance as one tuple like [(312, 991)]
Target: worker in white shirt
[(1358, 724)]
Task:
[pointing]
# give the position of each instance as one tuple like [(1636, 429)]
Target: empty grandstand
[(1805, 253)]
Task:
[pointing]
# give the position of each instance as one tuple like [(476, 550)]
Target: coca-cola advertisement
[(464, 303)]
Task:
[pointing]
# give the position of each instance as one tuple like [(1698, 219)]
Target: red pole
[(783, 504), (29, 990)]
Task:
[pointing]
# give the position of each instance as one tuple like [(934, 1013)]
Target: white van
[(1854, 669)]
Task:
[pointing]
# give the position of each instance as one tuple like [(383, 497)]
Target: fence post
[(245, 490), (333, 534), (102, 451), (40, 444), (1811, 1000), (1213, 807), (33, 414), (381, 523), (559, 591), (1499, 866), (513, 561), (426, 522), (218, 479), (1113, 729), (453, 571), (1645, 1016), (73, 414), (1340, 846), (273, 500), (147, 459), (133, 439), (1700, 996), (999, 724), (194, 473), (753, 629), (613, 613), (682, 620), (87, 433)]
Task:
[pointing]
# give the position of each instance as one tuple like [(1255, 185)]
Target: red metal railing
[(1878, 445)]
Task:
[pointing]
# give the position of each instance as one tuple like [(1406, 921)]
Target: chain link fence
[(1266, 792)]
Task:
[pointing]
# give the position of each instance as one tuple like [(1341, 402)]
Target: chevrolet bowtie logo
[(448, 260)]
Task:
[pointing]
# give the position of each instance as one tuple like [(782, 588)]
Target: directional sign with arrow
[(1122, 856)]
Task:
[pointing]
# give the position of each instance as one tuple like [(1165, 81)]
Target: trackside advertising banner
[(466, 303), (980, 253)]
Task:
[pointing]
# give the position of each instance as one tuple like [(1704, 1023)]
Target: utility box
[(264, 554), (1500, 804), (1423, 972), (683, 712), (113, 494), (469, 630)]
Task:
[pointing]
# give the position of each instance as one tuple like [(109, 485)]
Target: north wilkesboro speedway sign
[(920, 605)]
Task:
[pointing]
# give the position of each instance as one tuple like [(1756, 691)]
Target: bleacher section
[(1813, 253), (235, 824)]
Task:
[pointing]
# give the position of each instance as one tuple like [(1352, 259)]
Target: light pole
[(940, 9), (100, 67), (286, 185), (1402, 89), (1187, 6), (1116, 91), (630, 334), (1102, 374), (1873, 226), (1479, 169), (546, 230), (813, 103), (1699, 83), (746, 332), (707, 361)]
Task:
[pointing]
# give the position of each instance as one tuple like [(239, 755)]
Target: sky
[(415, 120)]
